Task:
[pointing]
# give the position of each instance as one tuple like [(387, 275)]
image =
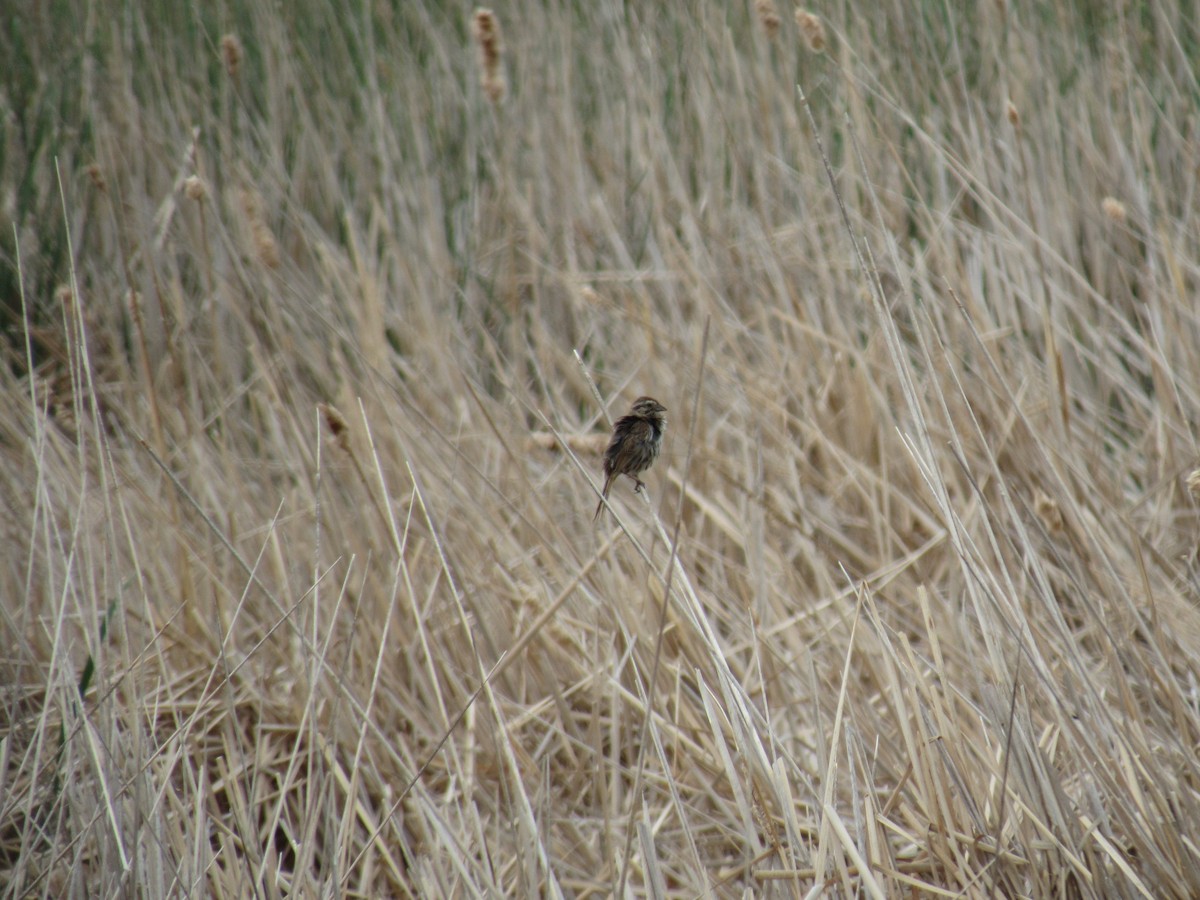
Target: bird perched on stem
[(635, 443)]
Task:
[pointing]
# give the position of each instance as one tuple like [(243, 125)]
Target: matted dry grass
[(299, 441)]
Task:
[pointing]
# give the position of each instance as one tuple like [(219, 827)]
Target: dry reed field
[(315, 321)]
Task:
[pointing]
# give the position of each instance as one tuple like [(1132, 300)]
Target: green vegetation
[(311, 316)]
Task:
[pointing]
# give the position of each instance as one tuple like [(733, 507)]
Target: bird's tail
[(600, 505)]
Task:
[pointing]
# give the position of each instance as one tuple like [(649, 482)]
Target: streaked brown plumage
[(635, 443)]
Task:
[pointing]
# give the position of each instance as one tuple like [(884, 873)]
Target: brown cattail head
[(1012, 114), (194, 188), (265, 246), (231, 54), (97, 177), (1048, 511), (339, 428), (485, 28), (768, 17), (813, 30), (1114, 209)]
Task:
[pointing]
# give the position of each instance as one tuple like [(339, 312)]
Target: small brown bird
[(635, 443)]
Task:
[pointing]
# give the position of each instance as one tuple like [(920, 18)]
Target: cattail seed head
[(339, 428), (97, 177), (231, 54), (1049, 512), (813, 30), (1114, 209), (1011, 113), (194, 188), (768, 17), (485, 28), (265, 246)]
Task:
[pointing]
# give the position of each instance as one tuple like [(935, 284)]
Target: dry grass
[(298, 447)]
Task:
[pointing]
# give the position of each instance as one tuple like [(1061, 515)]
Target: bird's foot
[(637, 489)]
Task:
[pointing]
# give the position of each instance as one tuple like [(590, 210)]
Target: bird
[(636, 440)]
